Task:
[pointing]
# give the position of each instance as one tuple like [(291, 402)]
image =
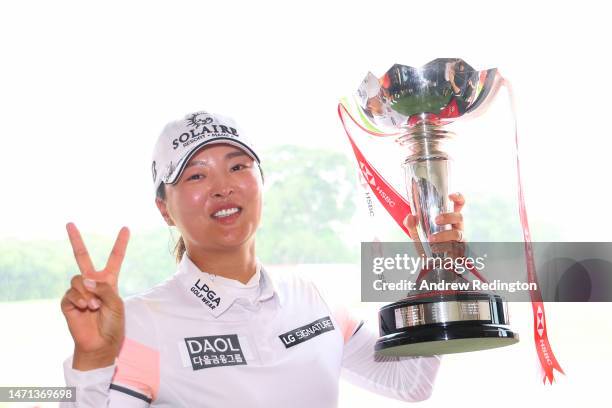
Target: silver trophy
[(413, 105)]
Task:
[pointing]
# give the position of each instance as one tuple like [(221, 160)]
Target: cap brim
[(176, 174)]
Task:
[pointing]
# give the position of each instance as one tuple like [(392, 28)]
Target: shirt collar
[(217, 294)]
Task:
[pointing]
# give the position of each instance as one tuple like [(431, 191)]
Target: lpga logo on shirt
[(214, 351), (208, 296), (306, 332)]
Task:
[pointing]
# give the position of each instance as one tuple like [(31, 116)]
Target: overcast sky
[(85, 88)]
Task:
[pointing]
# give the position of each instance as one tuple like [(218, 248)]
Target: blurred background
[(85, 89)]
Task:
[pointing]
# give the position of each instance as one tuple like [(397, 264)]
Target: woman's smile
[(226, 214)]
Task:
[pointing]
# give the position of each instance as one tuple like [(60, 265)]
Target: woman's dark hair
[(179, 248)]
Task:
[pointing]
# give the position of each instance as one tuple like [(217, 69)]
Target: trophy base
[(432, 341), (444, 324)]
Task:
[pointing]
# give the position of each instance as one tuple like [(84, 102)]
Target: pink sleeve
[(137, 376), (347, 322), (137, 370)]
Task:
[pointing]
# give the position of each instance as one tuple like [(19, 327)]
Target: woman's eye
[(196, 177), (238, 167)]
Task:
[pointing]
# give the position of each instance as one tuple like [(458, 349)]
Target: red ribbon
[(548, 362), (393, 202)]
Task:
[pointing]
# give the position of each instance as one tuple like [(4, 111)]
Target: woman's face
[(216, 203)]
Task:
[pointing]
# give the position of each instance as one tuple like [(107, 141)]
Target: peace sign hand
[(92, 306)]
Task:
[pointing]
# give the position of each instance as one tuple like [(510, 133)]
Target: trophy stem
[(426, 170)]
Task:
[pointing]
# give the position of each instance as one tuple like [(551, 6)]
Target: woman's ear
[(163, 210)]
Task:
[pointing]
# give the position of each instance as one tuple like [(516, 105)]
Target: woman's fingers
[(90, 294), (77, 283), (446, 236), (453, 218), (110, 273), (458, 201), (411, 222), (74, 298), (451, 242), (113, 265), (80, 251), (106, 292)]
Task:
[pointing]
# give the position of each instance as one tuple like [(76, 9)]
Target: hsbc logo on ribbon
[(540, 321), (367, 174)]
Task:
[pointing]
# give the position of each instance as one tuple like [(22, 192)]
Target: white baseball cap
[(181, 138)]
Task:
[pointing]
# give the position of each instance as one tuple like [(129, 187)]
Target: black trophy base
[(444, 325)]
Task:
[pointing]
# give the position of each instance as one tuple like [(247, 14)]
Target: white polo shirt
[(199, 340)]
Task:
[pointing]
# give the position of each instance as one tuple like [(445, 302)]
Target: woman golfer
[(221, 332)]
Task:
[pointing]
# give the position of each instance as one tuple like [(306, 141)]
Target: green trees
[(308, 201)]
